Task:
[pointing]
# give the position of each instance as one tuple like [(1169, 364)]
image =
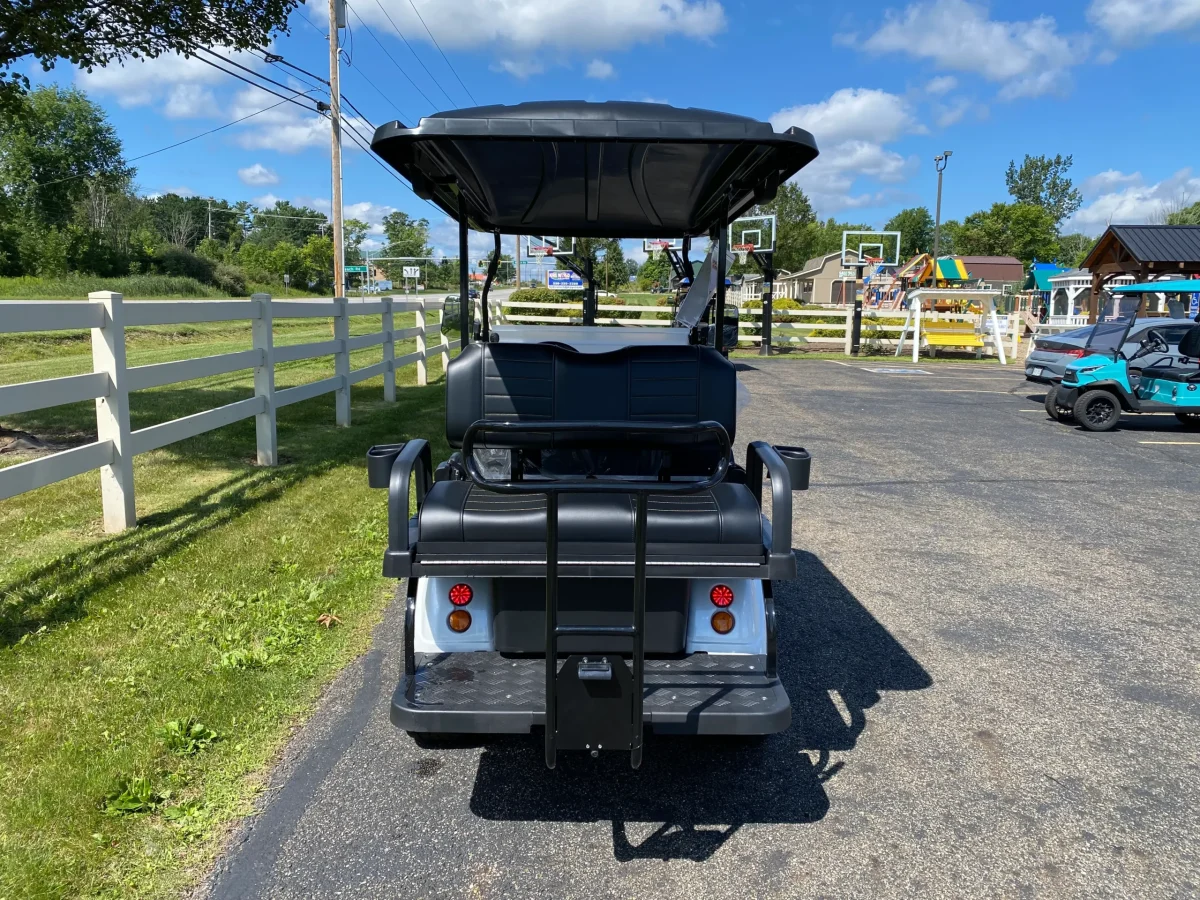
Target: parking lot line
[(1174, 443), (968, 391)]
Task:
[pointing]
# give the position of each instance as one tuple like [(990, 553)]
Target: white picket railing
[(110, 383)]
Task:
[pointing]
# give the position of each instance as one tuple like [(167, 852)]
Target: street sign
[(412, 271), (360, 270), (564, 280), (287, 279)]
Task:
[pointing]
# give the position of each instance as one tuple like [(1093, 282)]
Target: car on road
[(1052, 354)]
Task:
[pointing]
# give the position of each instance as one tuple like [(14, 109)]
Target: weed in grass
[(187, 737), (133, 795)]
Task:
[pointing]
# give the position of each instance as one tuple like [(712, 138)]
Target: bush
[(183, 263), (547, 296), (230, 279)]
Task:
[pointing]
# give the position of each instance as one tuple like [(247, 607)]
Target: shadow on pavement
[(700, 791)]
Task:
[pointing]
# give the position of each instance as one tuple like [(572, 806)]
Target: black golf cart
[(591, 558)]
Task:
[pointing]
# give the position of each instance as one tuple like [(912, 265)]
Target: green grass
[(134, 287), (149, 679)]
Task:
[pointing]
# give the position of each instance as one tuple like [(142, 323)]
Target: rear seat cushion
[(459, 511), (1183, 375)]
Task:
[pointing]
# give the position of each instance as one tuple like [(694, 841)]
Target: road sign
[(564, 280), (361, 270), (412, 271)]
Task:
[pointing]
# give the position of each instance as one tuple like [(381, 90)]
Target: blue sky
[(1110, 81)]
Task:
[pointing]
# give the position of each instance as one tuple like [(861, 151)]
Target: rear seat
[(546, 382)]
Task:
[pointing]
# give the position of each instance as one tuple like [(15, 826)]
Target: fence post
[(389, 353), (422, 375), (112, 414), (916, 334), (262, 331), (444, 341), (341, 361), (850, 330)]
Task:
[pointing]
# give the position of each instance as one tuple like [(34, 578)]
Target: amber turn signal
[(460, 620), (722, 622)]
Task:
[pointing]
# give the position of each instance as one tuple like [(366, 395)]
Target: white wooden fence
[(111, 380)]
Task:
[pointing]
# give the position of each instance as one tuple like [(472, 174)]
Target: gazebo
[(1146, 252)]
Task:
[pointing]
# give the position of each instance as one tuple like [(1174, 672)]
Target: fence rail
[(110, 383)]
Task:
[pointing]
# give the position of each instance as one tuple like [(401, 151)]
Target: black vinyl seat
[(548, 382), (1189, 375), (461, 511)]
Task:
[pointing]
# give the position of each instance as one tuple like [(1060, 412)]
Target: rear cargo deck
[(490, 693)]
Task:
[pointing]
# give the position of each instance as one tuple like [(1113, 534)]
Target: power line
[(363, 75), (358, 139), (269, 80), (411, 50), (443, 52), (416, 87), (256, 84), (188, 140)]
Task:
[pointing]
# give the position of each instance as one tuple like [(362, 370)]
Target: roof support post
[(464, 271), (722, 252), (485, 311), (589, 292)]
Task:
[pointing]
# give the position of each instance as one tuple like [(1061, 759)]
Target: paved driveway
[(992, 650)]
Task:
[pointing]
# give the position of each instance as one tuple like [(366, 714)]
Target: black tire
[(1189, 420), (1098, 410), (1051, 408)]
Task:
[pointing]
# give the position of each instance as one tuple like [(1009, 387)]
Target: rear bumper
[(487, 693)]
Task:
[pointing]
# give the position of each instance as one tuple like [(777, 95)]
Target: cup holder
[(379, 463), (799, 463)]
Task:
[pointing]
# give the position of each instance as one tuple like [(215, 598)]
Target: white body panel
[(591, 338), (749, 633), (431, 634)]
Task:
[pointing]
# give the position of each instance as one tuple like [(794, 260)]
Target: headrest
[(1190, 345)]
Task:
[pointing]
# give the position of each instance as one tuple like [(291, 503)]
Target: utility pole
[(210, 218), (939, 163), (517, 261), (337, 19)]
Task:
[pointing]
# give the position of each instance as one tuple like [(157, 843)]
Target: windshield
[(1107, 337)]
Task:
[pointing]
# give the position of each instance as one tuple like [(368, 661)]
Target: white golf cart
[(592, 559)]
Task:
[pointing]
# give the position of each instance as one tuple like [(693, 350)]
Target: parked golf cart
[(591, 558), (1104, 383)]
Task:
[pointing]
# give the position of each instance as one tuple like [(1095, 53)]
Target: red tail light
[(721, 595), (461, 594), (1075, 353)]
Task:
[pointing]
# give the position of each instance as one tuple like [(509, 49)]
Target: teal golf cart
[(1098, 388)]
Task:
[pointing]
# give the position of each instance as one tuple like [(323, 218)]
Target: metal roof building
[(1144, 252)]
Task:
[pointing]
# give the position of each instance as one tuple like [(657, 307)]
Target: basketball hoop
[(743, 251), (541, 251), (658, 248)]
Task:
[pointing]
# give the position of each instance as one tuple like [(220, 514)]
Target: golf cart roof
[(578, 169), (1160, 287)]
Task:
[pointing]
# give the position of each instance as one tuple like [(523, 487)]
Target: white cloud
[(181, 190), (952, 113), (1129, 21), (519, 68), (190, 101), (266, 201), (851, 114), (257, 175), (371, 213), (1027, 58), (851, 128), (599, 68), (176, 81), (287, 128), (943, 84), (1127, 200), (566, 25)]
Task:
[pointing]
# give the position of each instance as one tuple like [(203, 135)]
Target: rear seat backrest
[(545, 382)]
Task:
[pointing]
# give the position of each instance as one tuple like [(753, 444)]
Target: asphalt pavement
[(992, 652)]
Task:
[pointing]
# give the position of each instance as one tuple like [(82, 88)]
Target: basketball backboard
[(752, 233), (542, 246), (657, 245), (870, 248)]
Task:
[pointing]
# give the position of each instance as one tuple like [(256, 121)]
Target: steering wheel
[(1155, 342)]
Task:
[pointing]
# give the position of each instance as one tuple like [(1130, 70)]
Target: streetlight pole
[(337, 19), (939, 163)]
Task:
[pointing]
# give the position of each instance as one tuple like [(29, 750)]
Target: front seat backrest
[(1190, 345)]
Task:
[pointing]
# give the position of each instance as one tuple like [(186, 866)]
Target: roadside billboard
[(564, 280)]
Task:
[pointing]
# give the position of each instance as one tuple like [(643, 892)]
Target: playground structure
[(950, 329)]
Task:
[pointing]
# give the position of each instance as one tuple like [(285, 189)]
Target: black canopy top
[(578, 169)]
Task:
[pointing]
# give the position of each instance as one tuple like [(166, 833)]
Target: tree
[(89, 34), (1074, 248), (655, 270), (56, 146), (916, 231), (1042, 181), (285, 222), (406, 236), (1183, 214), (948, 238), (794, 217), (355, 232), (1022, 230)]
